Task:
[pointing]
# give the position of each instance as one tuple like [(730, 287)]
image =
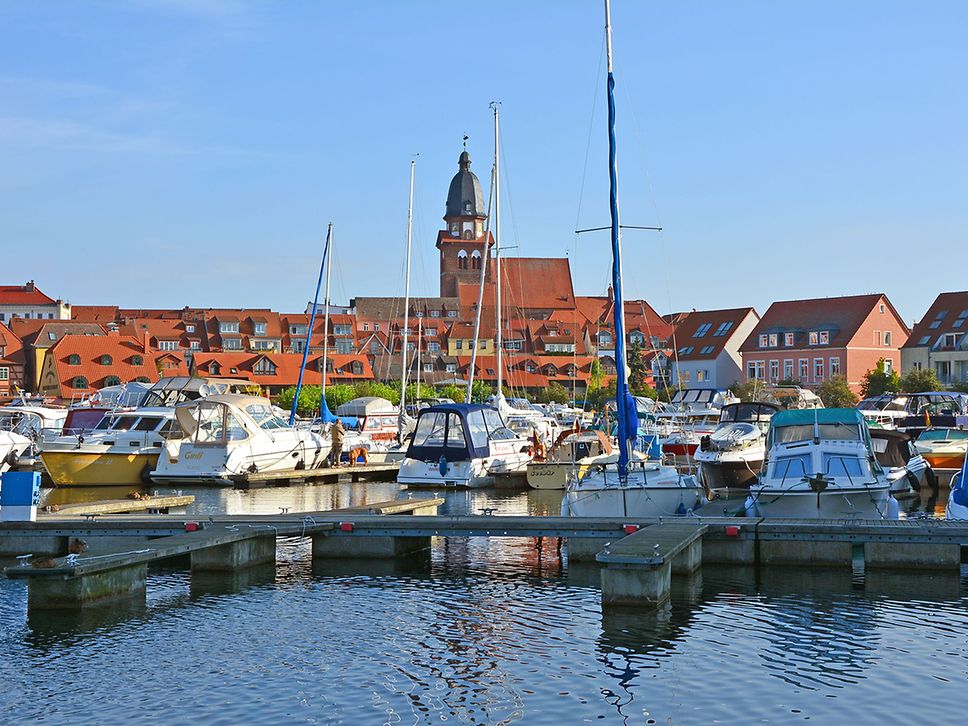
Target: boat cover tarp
[(365, 406), (804, 417)]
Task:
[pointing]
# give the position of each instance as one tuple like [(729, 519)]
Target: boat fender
[(931, 479), (146, 474), (12, 458), (681, 509), (893, 508), (442, 465), (914, 481)]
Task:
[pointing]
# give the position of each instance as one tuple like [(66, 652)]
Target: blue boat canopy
[(847, 424), (456, 432)]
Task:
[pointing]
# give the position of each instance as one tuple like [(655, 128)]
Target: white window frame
[(818, 369)]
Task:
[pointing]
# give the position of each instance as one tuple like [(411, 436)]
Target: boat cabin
[(216, 420), (374, 417), (457, 432), (758, 413), (831, 442)]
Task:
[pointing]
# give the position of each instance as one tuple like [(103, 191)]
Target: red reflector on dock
[(191, 526), (631, 528), (732, 531), (345, 526)]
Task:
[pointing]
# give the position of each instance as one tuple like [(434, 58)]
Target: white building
[(706, 347), (26, 301)]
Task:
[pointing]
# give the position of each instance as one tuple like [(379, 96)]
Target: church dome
[(465, 199)]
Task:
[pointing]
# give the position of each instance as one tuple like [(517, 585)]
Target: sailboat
[(615, 485), (465, 444)]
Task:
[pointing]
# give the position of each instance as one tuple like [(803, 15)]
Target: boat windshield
[(118, 423), (148, 423), (933, 404), (827, 431), (496, 428), (432, 430), (943, 435), (883, 403), (747, 412), (265, 417)]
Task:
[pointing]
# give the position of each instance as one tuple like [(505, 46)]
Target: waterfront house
[(939, 342), (810, 341), (38, 336), (276, 371), (707, 344), (12, 362)]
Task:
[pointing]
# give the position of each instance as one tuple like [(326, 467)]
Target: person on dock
[(337, 434)]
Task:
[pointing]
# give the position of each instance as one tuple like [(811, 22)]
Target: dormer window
[(764, 341), (137, 360), (106, 360), (190, 328), (260, 328), (788, 340), (74, 360), (824, 337)]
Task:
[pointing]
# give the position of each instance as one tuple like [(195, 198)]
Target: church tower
[(463, 246)]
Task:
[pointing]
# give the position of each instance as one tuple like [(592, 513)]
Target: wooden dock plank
[(653, 545), (118, 506)]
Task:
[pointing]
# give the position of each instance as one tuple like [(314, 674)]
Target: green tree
[(639, 371), (458, 394), (420, 390), (480, 391), (339, 393), (960, 387), (605, 393), (836, 393), (748, 391), (555, 393), (917, 380), (309, 398), (665, 393), (389, 391), (595, 376), (878, 381)]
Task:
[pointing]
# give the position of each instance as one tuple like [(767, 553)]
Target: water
[(487, 631)]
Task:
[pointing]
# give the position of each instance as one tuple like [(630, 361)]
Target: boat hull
[(550, 474), (952, 461), (729, 474), (81, 469), (835, 503), (633, 502), (471, 474)]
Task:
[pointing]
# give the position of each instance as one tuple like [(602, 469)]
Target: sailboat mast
[(329, 270), (499, 339), (309, 330), (480, 293), (406, 302), (623, 401), (419, 341)]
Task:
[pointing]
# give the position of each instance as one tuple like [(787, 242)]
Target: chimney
[(146, 343), (29, 287)]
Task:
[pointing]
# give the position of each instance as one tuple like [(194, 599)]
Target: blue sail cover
[(325, 415)]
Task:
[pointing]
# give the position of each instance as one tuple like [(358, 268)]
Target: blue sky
[(191, 152)]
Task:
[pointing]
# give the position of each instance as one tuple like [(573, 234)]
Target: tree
[(555, 393), (338, 394), (595, 376), (748, 391), (917, 380), (605, 393), (480, 391), (639, 371), (878, 381), (665, 393), (960, 387), (458, 394), (836, 393), (416, 391), (309, 398), (389, 391)]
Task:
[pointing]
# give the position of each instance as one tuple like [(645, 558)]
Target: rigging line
[(588, 143)]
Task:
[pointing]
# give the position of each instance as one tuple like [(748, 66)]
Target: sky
[(163, 153)]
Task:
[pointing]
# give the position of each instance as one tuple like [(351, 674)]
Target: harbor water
[(486, 631)]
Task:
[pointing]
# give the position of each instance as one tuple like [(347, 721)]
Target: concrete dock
[(355, 473)]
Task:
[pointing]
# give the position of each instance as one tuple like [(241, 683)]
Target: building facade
[(939, 342), (707, 347)]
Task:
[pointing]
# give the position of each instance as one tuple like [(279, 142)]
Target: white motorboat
[(223, 438), (12, 447), (565, 456), (943, 447), (616, 485), (904, 467), (376, 429), (886, 410), (731, 456), (462, 445), (821, 465), (33, 422)]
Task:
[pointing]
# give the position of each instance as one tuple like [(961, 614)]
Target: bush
[(480, 391), (553, 393), (309, 398), (458, 394), (389, 391), (835, 393), (749, 391)]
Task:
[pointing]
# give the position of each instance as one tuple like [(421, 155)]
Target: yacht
[(957, 507), (222, 439), (934, 408), (566, 455), (372, 423), (32, 421), (885, 410), (731, 456), (943, 447), (121, 450), (462, 445), (691, 414), (821, 465)]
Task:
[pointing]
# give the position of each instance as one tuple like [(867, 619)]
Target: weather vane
[(466, 137)]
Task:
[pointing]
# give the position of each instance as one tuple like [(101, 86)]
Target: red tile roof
[(639, 315), (286, 367), (23, 295), (95, 313), (44, 333), (529, 283), (952, 307), (708, 322), (841, 317)]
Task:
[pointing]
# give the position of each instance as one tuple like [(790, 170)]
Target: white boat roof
[(366, 406)]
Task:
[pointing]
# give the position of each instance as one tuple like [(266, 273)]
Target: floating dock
[(151, 505), (638, 557), (356, 473)]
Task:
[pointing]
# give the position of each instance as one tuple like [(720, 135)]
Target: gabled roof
[(707, 346), (841, 317), (23, 295), (286, 367), (529, 283), (639, 315), (11, 346), (44, 333), (949, 305), (95, 313)]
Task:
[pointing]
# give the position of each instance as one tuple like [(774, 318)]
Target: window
[(435, 313), (228, 326), (636, 338), (475, 260), (703, 329), (723, 329), (530, 368), (342, 330), (263, 344), (604, 338), (887, 337), (834, 367), (410, 347), (195, 345), (376, 327), (459, 345), (764, 341), (877, 337), (451, 313), (366, 327), (774, 370), (299, 330), (788, 369), (430, 332), (74, 360), (813, 338), (685, 376), (433, 347), (428, 367), (756, 370), (924, 340), (707, 349), (79, 382), (483, 345), (260, 328), (137, 360), (824, 337), (451, 367), (702, 375), (105, 360), (818, 369), (788, 340), (374, 347), (949, 340), (345, 347), (51, 336), (804, 369), (229, 343), (189, 328), (888, 365), (4, 373), (173, 345), (264, 367), (773, 340), (881, 308), (462, 260), (112, 381), (686, 350)]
